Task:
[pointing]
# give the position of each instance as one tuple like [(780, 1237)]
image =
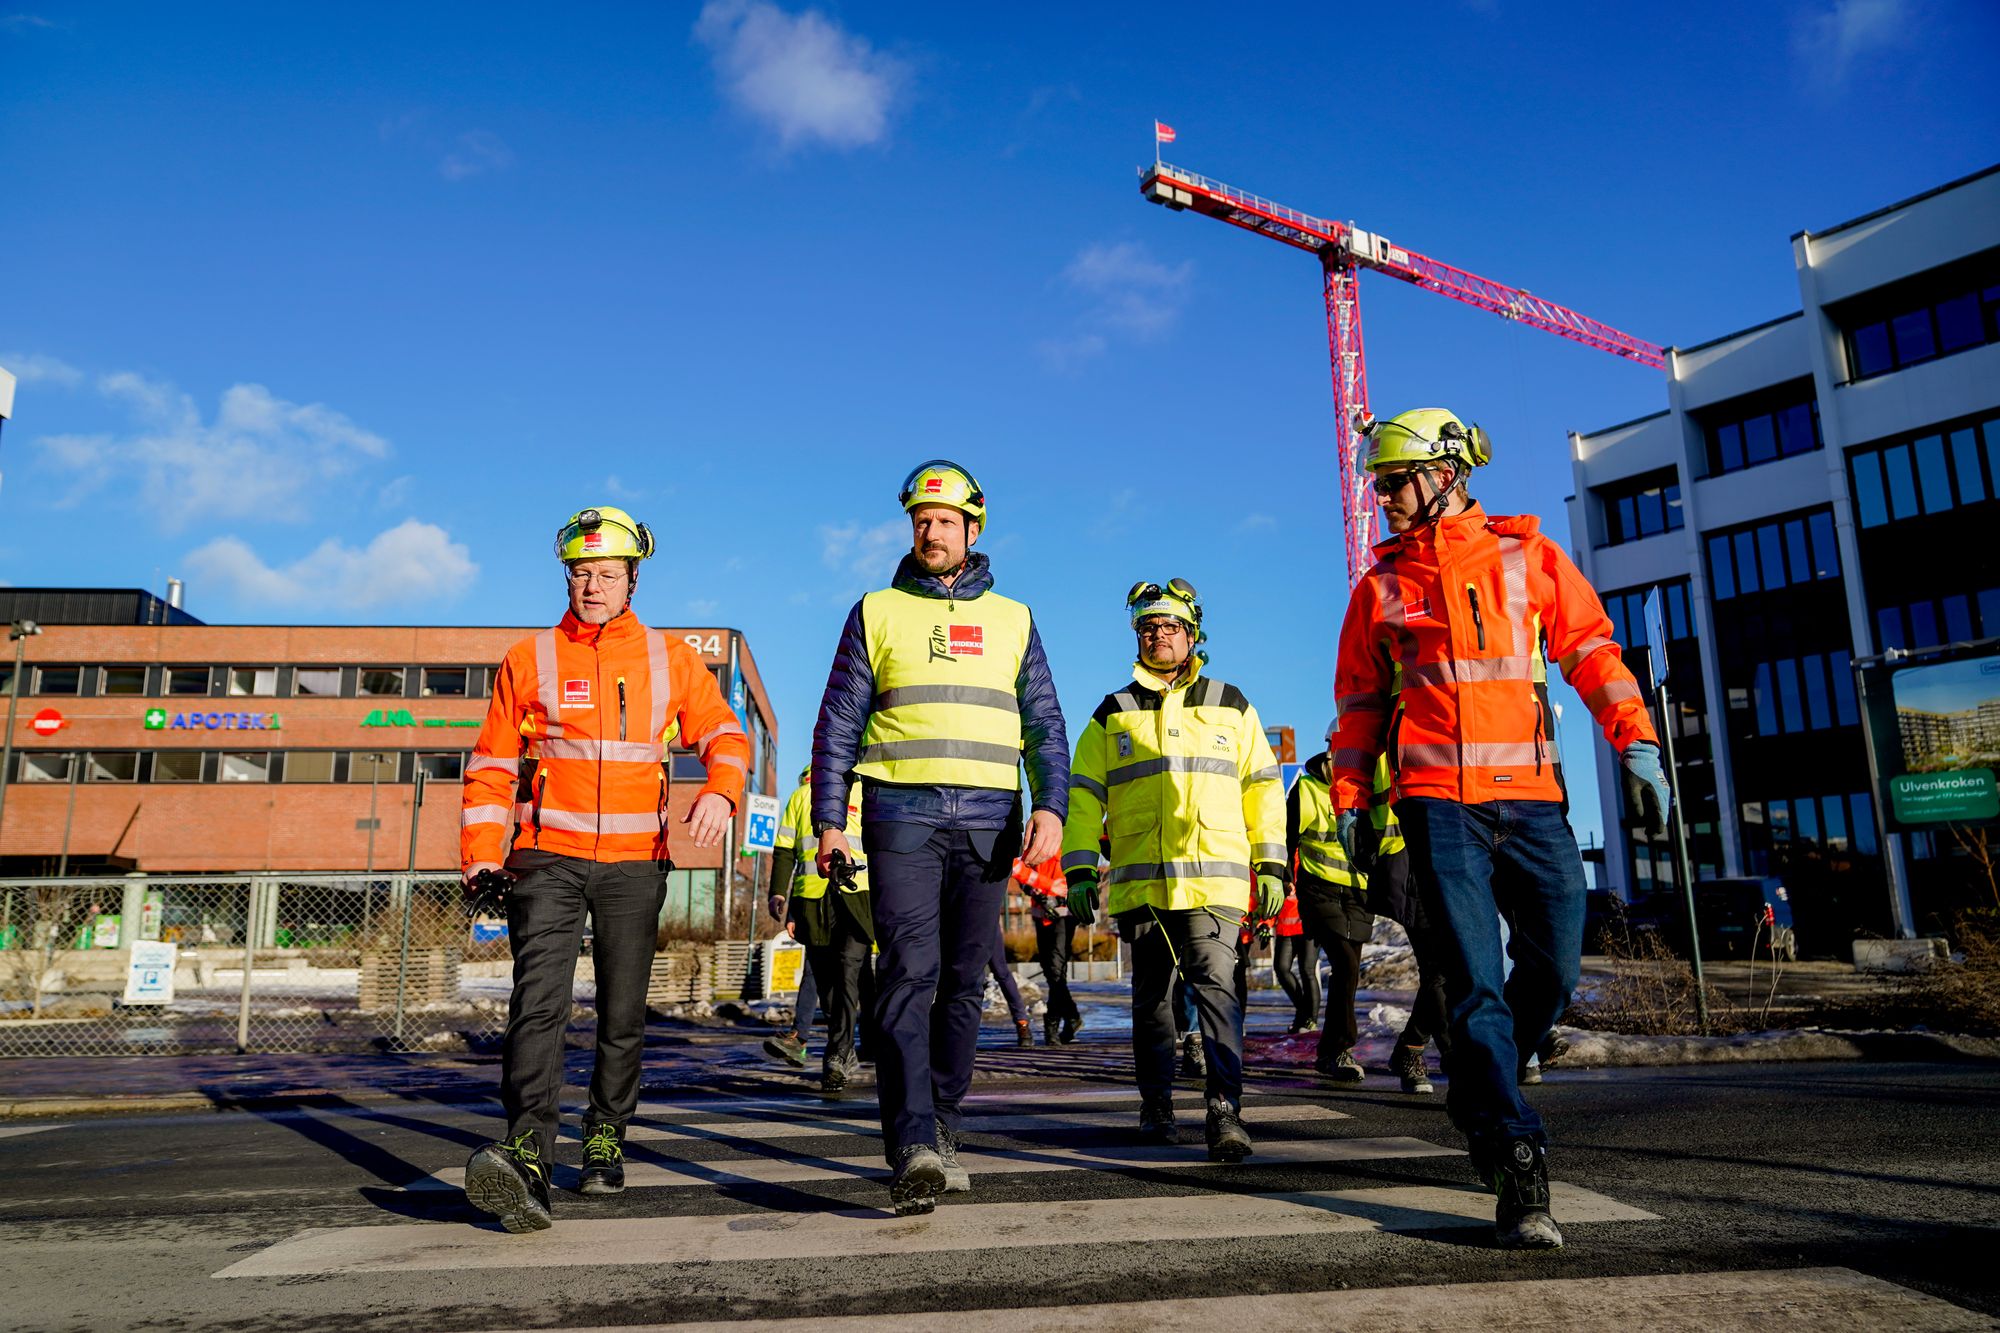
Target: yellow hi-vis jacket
[(795, 825), (1311, 824), (1187, 784)]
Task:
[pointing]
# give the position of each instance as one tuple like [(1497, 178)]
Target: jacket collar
[(975, 576), (1143, 676), (1320, 767), (1459, 527), (621, 628)]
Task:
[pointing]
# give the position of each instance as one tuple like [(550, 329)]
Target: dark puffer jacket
[(850, 697)]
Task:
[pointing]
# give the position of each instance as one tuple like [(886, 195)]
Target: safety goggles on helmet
[(1177, 598), (939, 481), (603, 533)]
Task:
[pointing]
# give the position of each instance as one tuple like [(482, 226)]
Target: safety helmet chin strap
[(1434, 508)]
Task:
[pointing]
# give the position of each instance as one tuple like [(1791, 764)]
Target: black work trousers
[(1055, 941), (1295, 960), (842, 971), (1203, 943), (545, 911)]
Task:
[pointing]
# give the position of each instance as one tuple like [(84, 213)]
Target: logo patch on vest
[(576, 693), (1222, 740), (1418, 610), (1124, 745), (968, 641)]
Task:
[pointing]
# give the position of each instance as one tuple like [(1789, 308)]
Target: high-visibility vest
[(1320, 852), (795, 825), (945, 711)]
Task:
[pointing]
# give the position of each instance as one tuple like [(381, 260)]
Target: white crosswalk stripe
[(1000, 1123)]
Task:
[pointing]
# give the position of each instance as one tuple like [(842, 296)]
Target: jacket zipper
[(621, 708), (1478, 625)]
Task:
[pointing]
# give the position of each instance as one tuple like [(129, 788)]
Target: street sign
[(47, 722), (149, 973), (1656, 636), (762, 834)]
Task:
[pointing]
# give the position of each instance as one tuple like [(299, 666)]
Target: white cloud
[(1828, 39), (804, 76), (702, 606), (411, 562), (615, 487), (863, 557), (475, 153), (261, 458), (1129, 294), (395, 493), (35, 368), (1256, 523)]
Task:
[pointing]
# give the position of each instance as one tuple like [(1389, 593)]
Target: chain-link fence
[(123, 966)]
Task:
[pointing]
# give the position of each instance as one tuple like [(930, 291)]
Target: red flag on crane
[(1162, 132)]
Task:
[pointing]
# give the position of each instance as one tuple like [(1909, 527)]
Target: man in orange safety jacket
[(573, 754), (1443, 667)]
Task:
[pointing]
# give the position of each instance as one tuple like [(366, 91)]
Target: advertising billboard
[(1934, 732)]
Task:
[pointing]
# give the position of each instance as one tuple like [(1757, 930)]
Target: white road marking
[(1816, 1298), (11, 1131), (1000, 1122), (764, 1237)]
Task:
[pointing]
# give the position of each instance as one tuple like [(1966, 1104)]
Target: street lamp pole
[(19, 632)]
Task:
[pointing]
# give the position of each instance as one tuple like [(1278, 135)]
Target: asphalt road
[(1848, 1194)]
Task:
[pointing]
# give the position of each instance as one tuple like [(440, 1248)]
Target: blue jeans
[(1474, 865)]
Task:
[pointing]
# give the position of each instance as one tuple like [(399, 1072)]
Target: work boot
[(1023, 1034), (1551, 1049), (834, 1074), (1194, 1064), (1156, 1118), (1529, 1075), (787, 1047), (509, 1181), (1519, 1175), (957, 1180), (1051, 1031), (1408, 1065), (603, 1160), (1066, 1032), (1299, 1025), (1228, 1141), (919, 1178), (1342, 1068)]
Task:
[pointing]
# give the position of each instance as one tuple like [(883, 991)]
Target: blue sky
[(337, 313)]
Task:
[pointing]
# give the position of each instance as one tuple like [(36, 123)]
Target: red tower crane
[(1344, 250)]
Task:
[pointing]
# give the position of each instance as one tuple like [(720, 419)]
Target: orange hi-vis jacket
[(1443, 664), (573, 748)]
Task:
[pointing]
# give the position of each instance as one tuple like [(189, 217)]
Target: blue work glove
[(1646, 785), (1083, 901), (1270, 896), (1344, 828)]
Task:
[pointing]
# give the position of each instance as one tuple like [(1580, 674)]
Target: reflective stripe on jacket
[(795, 827), (1189, 788), (1442, 670), (1312, 825), (573, 748)]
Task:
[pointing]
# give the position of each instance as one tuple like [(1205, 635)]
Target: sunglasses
[(1388, 483), (1146, 592)]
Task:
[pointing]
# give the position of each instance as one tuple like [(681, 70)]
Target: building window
[(1808, 693), (187, 680), (1953, 618), (371, 766), (444, 682), (177, 766), (58, 680), (316, 682), (1773, 555), (1628, 614), (688, 767), (122, 680), (246, 767), (253, 681), (1924, 317), (442, 767), (111, 766), (309, 766), (1941, 470), (380, 682), (45, 766), (1641, 506), (1761, 427)]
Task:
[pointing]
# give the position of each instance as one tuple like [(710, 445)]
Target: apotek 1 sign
[(158, 719)]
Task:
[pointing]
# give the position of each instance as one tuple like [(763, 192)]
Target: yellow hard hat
[(1424, 435), (943, 482), (1175, 597), (603, 533)]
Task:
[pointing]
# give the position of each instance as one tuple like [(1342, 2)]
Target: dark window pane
[(1959, 324), (1615, 608), (1771, 546), (444, 681), (1760, 440), (1864, 822), (1841, 668), (1721, 578), (1795, 550), (123, 680), (1923, 626), (187, 680), (1780, 815), (1625, 520), (1795, 430), (1957, 617), (1871, 350), (1767, 703), (1677, 611), (1652, 515), (1902, 482), (1834, 808), (1931, 469), (1806, 811), (380, 682), (1914, 340), (1825, 552), (1787, 676), (1989, 612), (1889, 629), (1965, 462), (1675, 519), (1869, 502), (1729, 446), (1746, 561), (1819, 715), (1991, 431)]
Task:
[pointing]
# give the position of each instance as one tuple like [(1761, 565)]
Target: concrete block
[(1899, 955)]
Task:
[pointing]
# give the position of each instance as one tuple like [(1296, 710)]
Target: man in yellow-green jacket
[(1176, 766), (838, 932)]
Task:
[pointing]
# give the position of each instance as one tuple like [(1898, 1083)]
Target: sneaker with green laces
[(603, 1160), (510, 1181)]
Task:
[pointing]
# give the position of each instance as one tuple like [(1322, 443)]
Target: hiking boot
[(919, 1178), (1194, 1064), (509, 1181), (1156, 1118), (1342, 1068), (1299, 1025), (834, 1074), (1520, 1177), (957, 1180), (603, 1160), (1023, 1034), (1408, 1065), (1067, 1030), (1228, 1141), (1051, 1030), (786, 1046), (1529, 1076), (1551, 1049)]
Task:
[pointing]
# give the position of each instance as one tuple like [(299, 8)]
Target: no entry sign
[(47, 722)]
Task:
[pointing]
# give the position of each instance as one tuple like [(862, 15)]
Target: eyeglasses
[(1388, 483), (598, 576), (1161, 629)]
